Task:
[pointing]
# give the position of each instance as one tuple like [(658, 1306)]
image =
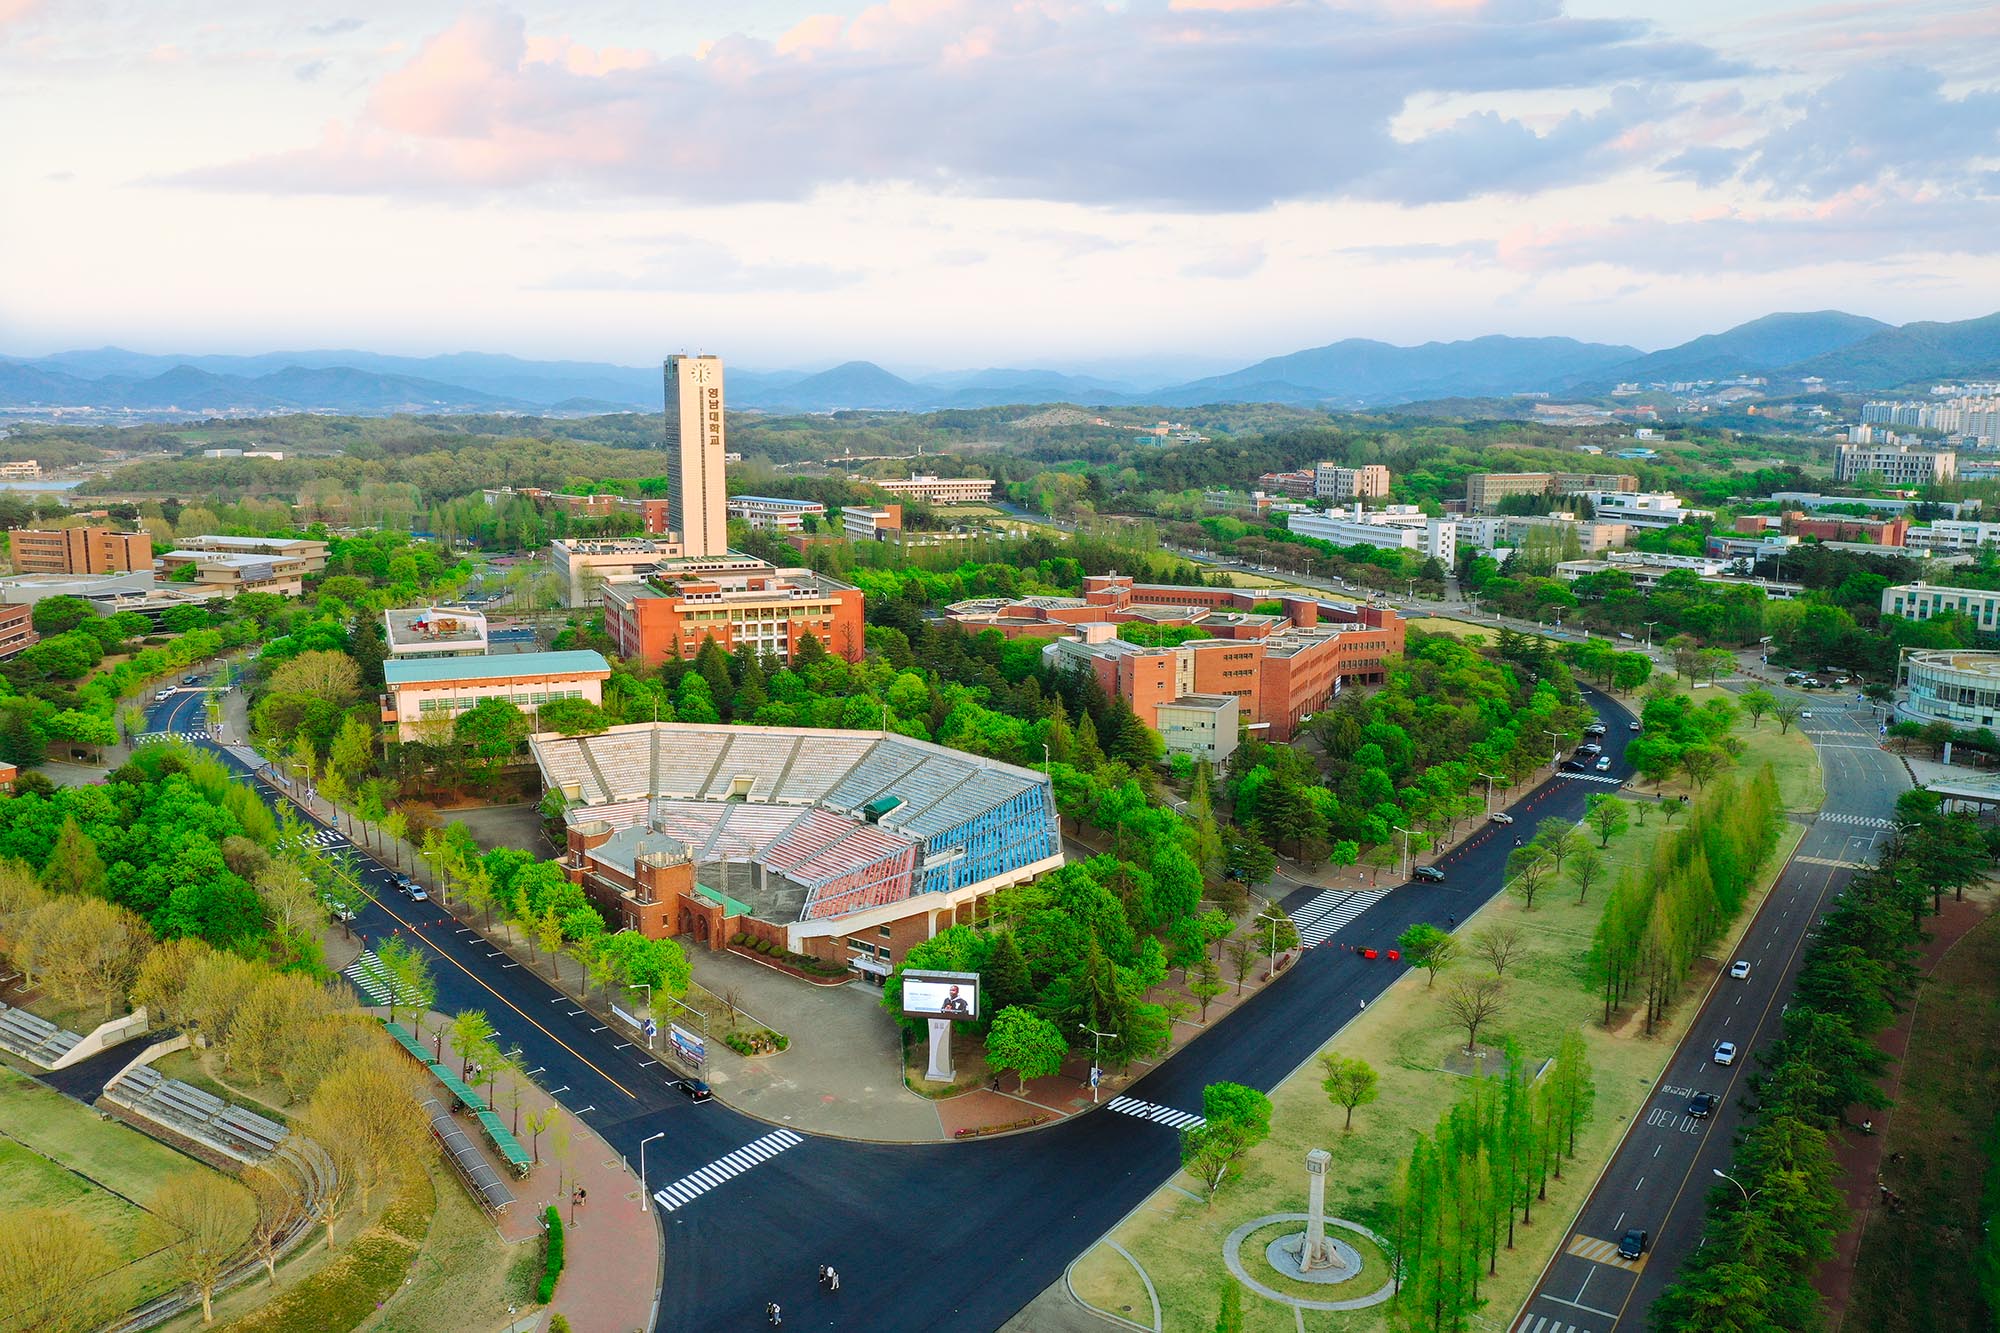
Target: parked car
[(1595, 729), (691, 1088), (1591, 748), (1431, 873), (1740, 969), (411, 889), (338, 910), (163, 696), (1633, 1243), (1701, 1104), (1725, 1053), (1634, 726), (190, 680), (1500, 817), (1577, 765), (1603, 764), (1805, 712)]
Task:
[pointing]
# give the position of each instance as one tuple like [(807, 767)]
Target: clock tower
[(694, 440)]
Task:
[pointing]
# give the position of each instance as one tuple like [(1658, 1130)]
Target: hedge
[(552, 1257)]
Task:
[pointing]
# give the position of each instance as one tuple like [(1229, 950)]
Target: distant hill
[(1748, 349), (1897, 356), (1360, 372), (185, 388), (857, 384)]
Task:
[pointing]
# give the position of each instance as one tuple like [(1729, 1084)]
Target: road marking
[(700, 1181), (1591, 777), (1331, 910), (1602, 1252), (1159, 1115), (1826, 861), (372, 980), (1860, 821)]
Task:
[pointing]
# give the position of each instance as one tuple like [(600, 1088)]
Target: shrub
[(552, 1260), (559, 1324)]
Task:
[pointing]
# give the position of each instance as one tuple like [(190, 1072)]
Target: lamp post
[(1555, 748), (1489, 791), (646, 987), (1406, 848), (1095, 1038), (1265, 916), (1748, 1195), (645, 1191), (1649, 634)]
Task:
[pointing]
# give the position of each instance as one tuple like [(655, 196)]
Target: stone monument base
[(1283, 1254)]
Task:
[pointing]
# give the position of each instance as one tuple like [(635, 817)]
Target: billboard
[(687, 1045), (940, 994)]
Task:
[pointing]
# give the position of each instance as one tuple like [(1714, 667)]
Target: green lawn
[(57, 1153), (1405, 1036)]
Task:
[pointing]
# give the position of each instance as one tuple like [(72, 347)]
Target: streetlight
[(1555, 747), (1649, 634), (1265, 916), (645, 1192), (646, 987), (1748, 1195), (1095, 1037), (1490, 780), (1406, 848)]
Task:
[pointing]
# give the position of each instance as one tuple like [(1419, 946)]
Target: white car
[(1805, 712), (1501, 817), (1740, 969), (1725, 1054)]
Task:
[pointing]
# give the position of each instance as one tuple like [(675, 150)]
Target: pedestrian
[(774, 1315), (833, 1279), (823, 1271)]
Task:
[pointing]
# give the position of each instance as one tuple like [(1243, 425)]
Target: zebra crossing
[(1330, 910), (1602, 1252), (1568, 776), (696, 1183), (157, 737), (373, 981), (1534, 1323), (1153, 1111), (324, 838), (1857, 821)]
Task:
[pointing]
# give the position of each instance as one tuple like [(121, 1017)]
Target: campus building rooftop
[(509, 667), (434, 632)]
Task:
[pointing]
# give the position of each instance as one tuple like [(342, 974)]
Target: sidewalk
[(612, 1260)]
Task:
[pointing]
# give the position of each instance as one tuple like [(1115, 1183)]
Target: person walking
[(823, 1271), (833, 1279), (774, 1315)]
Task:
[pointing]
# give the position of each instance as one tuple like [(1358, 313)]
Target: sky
[(1079, 184)]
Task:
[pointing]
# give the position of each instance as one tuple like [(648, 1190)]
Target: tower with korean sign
[(694, 440)]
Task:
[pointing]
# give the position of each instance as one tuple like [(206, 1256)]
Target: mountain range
[(1846, 351)]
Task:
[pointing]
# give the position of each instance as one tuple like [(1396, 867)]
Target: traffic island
[(1261, 1254)]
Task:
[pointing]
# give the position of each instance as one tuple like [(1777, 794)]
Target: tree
[(323, 674), (1757, 702), (1348, 1083), (1210, 1152), (1702, 762), (1026, 1043), (1606, 815), (1206, 984), (1557, 838), (352, 752), (1528, 869), (1472, 1002), (1242, 957), (1787, 711), (1425, 946), (280, 1207), (1586, 867), (471, 1035), (364, 1114), (492, 729), (1500, 944), (50, 1265), (1006, 976), (572, 717), (539, 1123), (409, 973), (73, 867), (199, 1219), (1236, 1103)]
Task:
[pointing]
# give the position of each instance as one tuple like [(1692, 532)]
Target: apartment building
[(20, 469), (775, 512), (1506, 531), (942, 490), (310, 554), (1367, 482), (1952, 536), (80, 551), (438, 689), (871, 523), (230, 574), (1485, 490), (1898, 465), (668, 612), (1921, 601)]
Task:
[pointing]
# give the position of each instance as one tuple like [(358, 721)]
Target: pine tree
[(1085, 754), (73, 867), (750, 692), (713, 666), (1057, 735), (1006, 975)]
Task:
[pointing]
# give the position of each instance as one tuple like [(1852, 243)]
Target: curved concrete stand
[(1231, 1255)]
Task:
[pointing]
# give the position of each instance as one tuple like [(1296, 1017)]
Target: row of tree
[(1659, 921)]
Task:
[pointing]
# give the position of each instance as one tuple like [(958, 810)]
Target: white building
[(1201, 725), (1961, 688), (1899, 465), (1952, 537), (694, 440), (1367, 482), (1399, 527), (770, 511), (871, 523), (1921, 601), (1647, 568), (942, 490), (1641, 509), (439, 689), (586, 563)]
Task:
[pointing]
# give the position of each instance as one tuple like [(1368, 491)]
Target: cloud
[(1864, 227), (12, 10), (694, 265), (1217, 107), (311, 70), (1876, 124), (1235, 261), (336, 27)]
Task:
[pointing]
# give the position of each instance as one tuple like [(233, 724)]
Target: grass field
[(1917, 1270), (57, 1153), (1406, 1037)]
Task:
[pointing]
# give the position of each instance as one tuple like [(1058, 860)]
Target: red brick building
[(1832, 528), (668, 614)]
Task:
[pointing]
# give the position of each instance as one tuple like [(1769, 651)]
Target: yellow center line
[(426, 940)]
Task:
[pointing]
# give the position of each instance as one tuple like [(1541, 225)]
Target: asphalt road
[(949, 1236), (1660, 1177)]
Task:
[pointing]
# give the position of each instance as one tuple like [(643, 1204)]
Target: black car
[(1633, 1243), (691, 1088), (1701, 1104), (1431, 873), (1577, 765), (189, 680)]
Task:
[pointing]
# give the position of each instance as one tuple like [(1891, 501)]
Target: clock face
[(700, 372)]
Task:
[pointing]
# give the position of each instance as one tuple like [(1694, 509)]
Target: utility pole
[(1489, 791), (1649, 634), (1406, 848), (1095, 1038)]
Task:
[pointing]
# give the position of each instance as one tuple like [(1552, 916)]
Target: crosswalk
[(696, 1183), (1568, 776), (1602, 1252), (1153, 1111), (1534, 1323), (324, 838), (1858, 821), (156, 737), (372, 980), (1330, 910)]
